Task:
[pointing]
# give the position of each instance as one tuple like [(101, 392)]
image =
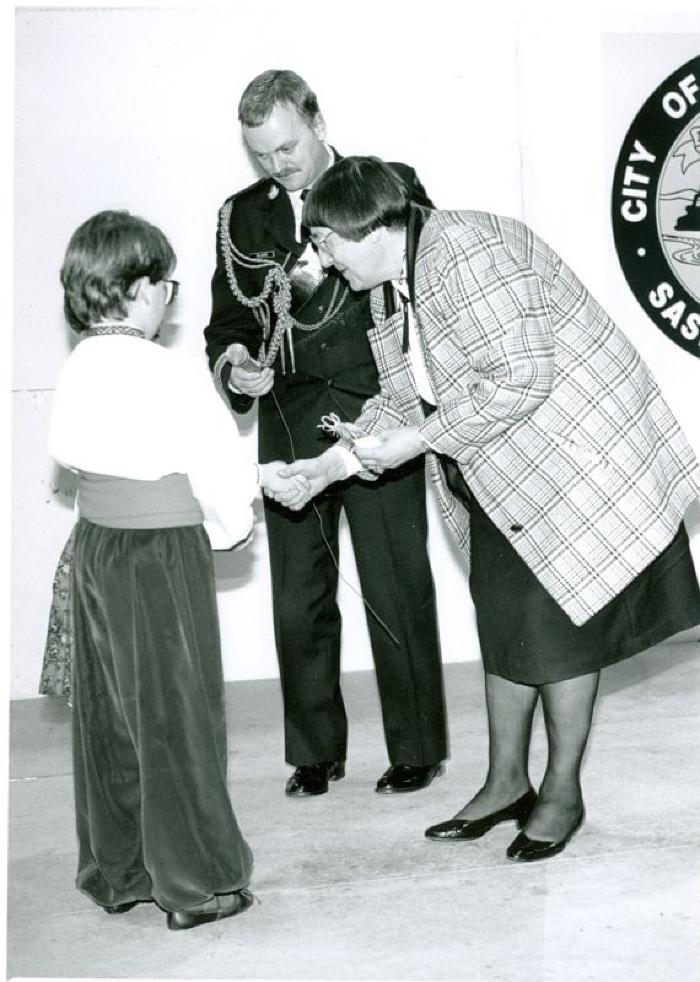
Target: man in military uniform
[(294, 337)]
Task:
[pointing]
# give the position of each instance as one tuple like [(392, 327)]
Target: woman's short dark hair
[(104, 258), (355, 196), (277, 86)]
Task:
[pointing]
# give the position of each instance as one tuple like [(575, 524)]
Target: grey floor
[(348, 888)]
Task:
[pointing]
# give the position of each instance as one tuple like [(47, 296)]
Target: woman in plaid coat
[(561, 471)]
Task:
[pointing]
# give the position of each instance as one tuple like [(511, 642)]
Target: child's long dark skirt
[(153, 814)]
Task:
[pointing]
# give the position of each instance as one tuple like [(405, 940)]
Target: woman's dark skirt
[(526, 637), (153, 814)]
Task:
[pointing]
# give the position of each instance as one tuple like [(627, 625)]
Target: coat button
[(329, 383), (516, 528)]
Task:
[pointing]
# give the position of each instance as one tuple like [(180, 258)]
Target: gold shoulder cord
[(277, 288)]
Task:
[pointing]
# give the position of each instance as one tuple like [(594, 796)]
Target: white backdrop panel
[(136, 108)]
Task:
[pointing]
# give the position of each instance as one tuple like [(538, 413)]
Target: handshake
[(294, 485)]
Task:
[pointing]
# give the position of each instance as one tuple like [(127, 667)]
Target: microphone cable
[(336, 563)]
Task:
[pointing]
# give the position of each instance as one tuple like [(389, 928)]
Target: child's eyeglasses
[(172, 288)]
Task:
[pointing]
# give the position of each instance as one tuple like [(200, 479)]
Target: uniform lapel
[(278, 222)]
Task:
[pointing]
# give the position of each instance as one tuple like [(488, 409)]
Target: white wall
[(136, 108)]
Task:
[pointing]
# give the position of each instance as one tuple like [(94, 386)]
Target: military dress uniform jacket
[(556, 423), (331, 368)]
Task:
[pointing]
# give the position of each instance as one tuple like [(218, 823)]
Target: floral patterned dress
[(60, 638)]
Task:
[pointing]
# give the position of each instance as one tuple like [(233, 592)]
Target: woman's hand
[(390, 449), (317, 472), (292, 492)]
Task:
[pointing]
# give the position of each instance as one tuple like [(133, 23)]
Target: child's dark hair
[(104, 258)]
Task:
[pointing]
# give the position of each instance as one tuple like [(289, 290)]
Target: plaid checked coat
[(556, 423)]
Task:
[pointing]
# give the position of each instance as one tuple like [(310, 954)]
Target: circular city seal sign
[(656, 207)]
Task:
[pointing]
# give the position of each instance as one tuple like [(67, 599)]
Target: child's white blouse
[(127, 407)]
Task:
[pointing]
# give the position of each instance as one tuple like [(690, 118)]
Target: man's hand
[(292, 492), (247, 383), (318, 472), (390, 448)]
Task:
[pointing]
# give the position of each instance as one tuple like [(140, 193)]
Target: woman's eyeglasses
[(321, 241)]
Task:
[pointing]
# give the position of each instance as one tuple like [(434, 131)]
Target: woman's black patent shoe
[(526, 850), (465, 828)]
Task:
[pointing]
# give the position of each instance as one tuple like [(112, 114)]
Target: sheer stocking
[(568, 712), (510, 707)]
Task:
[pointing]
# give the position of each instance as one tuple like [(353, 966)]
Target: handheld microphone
[(237, 355)]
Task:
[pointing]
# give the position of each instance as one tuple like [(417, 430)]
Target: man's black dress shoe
[(407, 777), (120, 908), (465, 828), (314, 778), (221, 906), (526, 850)]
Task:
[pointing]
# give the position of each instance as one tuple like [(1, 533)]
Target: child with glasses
[(142, 427)]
